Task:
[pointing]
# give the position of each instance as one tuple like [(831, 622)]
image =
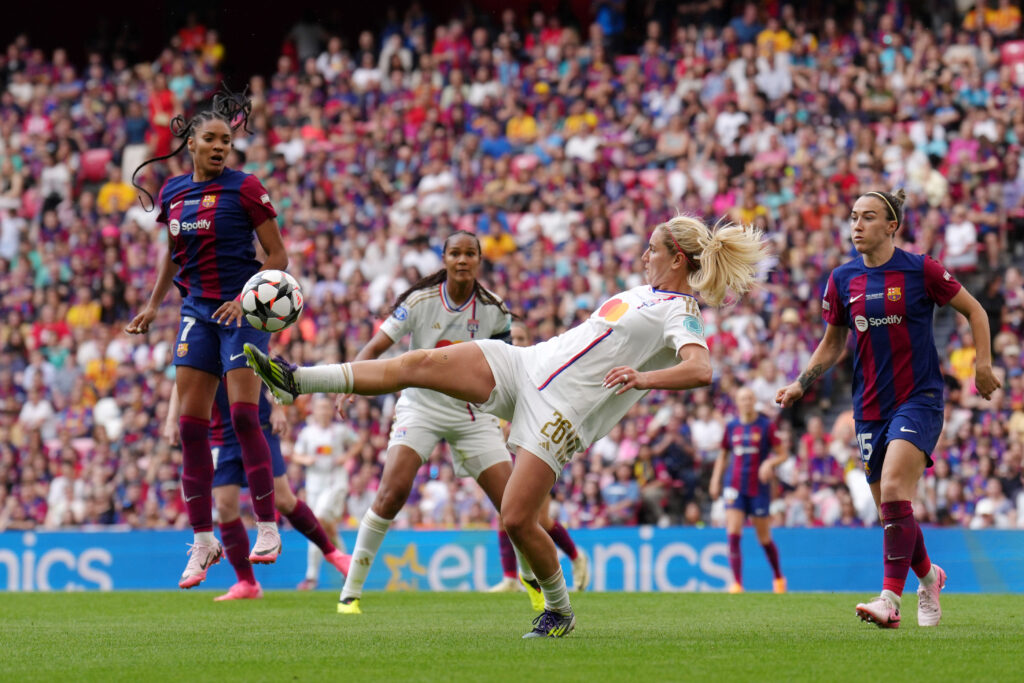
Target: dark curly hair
[(229, 107), (440, 276)]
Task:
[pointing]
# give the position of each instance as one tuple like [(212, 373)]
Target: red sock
[(508, 555), (560, 535), (772, 553), (236, 547), (306, 523), (197, 471), (245, 418), (920, 562), (735, 558), (898, 546)]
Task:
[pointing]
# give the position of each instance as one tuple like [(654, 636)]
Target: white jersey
[(433, 321), (642, 328), (326, 445)]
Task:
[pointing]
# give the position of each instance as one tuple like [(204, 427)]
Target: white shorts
[(328, 503), (537, 426), (475, 438)]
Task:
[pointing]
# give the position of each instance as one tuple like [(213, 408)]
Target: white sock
[(368, 540), (327, 379), (931, 577), (556, 595), (892, 597), (313, 560), (525, 570), (204, 538)]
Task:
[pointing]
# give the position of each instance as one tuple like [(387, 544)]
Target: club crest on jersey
[(209, 201), (893, 293), (473, 326), (182, 349)]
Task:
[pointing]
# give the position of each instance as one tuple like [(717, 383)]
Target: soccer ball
[(271, 300)]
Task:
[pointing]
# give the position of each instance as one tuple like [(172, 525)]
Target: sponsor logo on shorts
[(182, 349)]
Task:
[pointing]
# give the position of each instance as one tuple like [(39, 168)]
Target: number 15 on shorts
[(864, 441)]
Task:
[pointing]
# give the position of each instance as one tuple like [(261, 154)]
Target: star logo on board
[(397, 563)]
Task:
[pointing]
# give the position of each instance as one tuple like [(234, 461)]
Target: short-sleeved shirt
[(749, 444), (325, 444), (433, 321), (211, 225), (890, 309), (643, 328)]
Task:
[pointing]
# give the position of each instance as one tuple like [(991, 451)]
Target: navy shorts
[(752, 506), (206, 345), (920, 425), (227, 461)]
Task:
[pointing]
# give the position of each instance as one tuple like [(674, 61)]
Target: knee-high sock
[(371, 533), (236, 546), (197, 472), (560, 535), (508, 555), (556, 595), (735, 558), (920, 562), (901, 531), (245, 418), (772, 553), (306, 523)]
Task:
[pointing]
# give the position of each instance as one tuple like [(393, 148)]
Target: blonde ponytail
[(726, 258)]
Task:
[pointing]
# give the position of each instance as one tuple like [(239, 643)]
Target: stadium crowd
[(560, 145)]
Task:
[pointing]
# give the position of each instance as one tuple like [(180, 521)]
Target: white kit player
[(446, 308), (323, 447), (562, 394)]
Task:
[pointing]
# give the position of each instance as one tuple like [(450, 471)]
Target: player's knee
[(516, 519), (389, 501), (227, 511), (244, 420)]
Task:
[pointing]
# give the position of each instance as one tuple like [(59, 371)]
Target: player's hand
[(627, 377), (229, 312), (986, 381), (714, 489), (171, 432), (140, 323), (278, 420), (789, 394), (764, 472), (342, 404)]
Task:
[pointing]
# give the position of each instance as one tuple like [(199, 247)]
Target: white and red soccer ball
[(271, 300)]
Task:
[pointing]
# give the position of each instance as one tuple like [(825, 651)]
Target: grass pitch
[(465, 636)]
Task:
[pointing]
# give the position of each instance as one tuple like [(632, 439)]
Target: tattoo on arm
[(808, 378)]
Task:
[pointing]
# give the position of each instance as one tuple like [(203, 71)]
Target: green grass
[(465, 636)]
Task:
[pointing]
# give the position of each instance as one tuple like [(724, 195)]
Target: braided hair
[(440, 276), (231, 108)]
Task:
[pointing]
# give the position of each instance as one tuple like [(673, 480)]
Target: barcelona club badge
[(894, 293), (182, 349), (209, 201)]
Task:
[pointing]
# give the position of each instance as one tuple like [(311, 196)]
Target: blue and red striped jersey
[(890, 310), (211, 226), (749, 444), (221, 431)]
